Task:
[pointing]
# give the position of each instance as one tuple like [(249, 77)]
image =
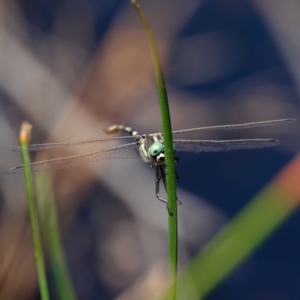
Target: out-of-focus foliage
[(72, 68)]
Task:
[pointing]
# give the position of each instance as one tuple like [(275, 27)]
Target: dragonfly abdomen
[(117, 128)]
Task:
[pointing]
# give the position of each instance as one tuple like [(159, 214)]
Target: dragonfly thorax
[(152, 148)]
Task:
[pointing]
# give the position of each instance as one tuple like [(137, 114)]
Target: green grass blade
[(50, 226), (169, 152), (37, 244)]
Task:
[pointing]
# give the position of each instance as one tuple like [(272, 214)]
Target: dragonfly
[(150, 147)]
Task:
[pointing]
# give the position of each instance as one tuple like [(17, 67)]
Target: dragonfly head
[(156, 151)]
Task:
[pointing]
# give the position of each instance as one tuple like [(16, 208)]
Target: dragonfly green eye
[(155, 149)]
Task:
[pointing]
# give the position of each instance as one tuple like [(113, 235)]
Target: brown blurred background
[(72, 68)]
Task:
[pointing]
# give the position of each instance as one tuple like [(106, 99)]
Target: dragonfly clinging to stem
[(150, 147)]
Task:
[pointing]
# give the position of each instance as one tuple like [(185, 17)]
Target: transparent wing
[(217, 146), (124, 151), (240, 126), (49, 146)]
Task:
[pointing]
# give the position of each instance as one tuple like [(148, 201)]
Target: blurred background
[(72, 68)]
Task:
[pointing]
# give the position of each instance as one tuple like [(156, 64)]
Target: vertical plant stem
[(50, 227), (38, 252), (169, 151)]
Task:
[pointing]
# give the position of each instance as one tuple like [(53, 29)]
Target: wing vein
[(240, 126), (124, 151), (198, 146)]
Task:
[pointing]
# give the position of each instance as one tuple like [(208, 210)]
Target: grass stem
[(37, 244), (51, 231), (169, 151)]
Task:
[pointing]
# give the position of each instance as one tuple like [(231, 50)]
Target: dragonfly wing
[(218, 146), (240, 126), (49, 146), (124, 151)]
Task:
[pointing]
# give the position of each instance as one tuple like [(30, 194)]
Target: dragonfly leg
[(177, 177), (163, 177), (158, 177)]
